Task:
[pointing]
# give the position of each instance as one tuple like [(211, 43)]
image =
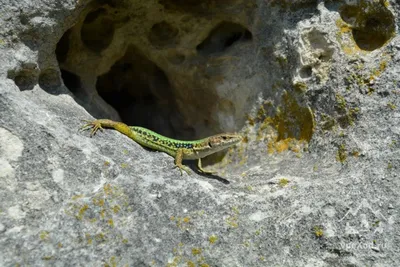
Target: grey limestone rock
[(313, 86)]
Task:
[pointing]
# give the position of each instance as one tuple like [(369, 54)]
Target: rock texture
[(313, 86)]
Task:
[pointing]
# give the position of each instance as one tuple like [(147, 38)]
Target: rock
[(313, 88)]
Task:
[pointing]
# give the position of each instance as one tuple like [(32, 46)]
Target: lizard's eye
[(224, 137), (209, 144)]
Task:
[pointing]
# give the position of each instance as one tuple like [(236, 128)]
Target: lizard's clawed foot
[(95, 125), (181, 167)]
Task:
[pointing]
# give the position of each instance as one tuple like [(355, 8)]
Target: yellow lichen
[(89, 239), (103, 213), (98, 202), (76, 197), (318, 231), (82, 212), (258, 232), (341, 155), (300, 86), (283, 182), (315, 168), (392, 106), (235, 209), (44, 235), (196, 251), (116, 209), (100, 237), (355, 153), (212, 239), (107, 189), (341, 102), (295, 121), (282, 145)]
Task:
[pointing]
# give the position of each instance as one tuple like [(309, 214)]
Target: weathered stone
[(312, 85)]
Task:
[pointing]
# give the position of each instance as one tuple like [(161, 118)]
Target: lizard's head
[(221, 141), (215, 143)]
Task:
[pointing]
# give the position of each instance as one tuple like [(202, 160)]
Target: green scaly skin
[(178, 149)]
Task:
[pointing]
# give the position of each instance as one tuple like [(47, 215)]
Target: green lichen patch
[(341, 102), (390, 166), (341, 155), (44, 235), (300, 87), (346, 114), (327, 122), (391, 106), (232, 220)]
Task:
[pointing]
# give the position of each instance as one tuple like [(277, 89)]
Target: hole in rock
[(225, 35), (198, 6), (373, 36), (293, 5), (305, 72), (25, 79), (63, 47), (97, 30), (71, 81), (372, 23), (49, 79), (163, 34), (111, 3), (141, 93)]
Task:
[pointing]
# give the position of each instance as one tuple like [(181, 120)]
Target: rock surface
[(313, 86)]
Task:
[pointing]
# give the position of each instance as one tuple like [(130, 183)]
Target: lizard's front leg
[(203, 170), (178, 162)]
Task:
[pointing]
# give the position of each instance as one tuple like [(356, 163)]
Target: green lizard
[(178, 149)]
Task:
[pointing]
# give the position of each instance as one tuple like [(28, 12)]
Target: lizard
[(179, 149)]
